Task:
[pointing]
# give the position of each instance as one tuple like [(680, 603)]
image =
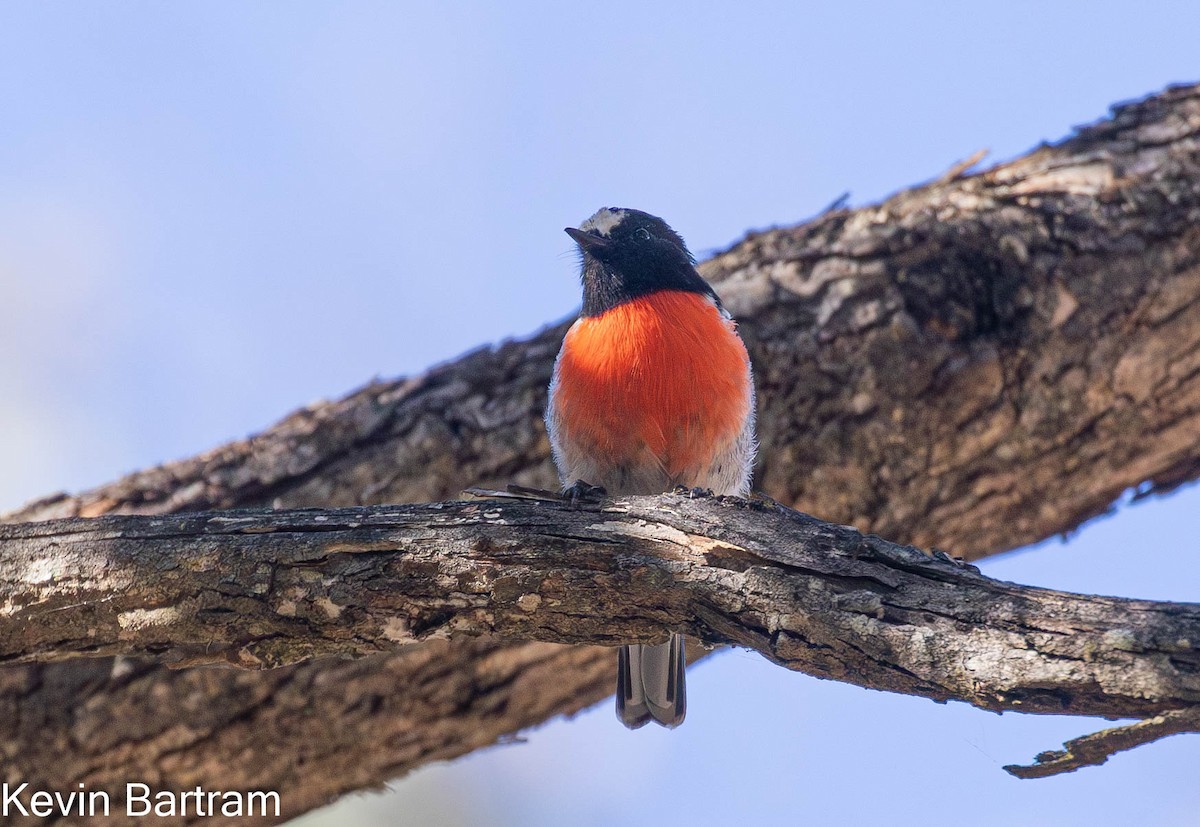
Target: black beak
[(589, 242)]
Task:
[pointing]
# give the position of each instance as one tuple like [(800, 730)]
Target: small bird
[(652, 390)]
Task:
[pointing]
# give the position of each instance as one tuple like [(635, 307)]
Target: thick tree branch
[(975, 364), (266, 588), (928, 368)]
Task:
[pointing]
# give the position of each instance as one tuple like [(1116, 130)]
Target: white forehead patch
[(604, 220)]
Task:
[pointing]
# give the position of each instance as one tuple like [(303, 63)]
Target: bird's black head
[(629, 253)]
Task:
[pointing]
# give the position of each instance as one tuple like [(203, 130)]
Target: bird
[(652, 389)]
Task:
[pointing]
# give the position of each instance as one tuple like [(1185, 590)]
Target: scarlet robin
[(652, 390)]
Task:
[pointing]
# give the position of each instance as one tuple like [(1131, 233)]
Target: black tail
[(651, 683)]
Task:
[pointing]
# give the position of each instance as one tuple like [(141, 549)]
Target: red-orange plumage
[(665, 372)]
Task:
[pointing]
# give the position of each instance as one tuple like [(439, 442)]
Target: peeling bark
[(975, 364)]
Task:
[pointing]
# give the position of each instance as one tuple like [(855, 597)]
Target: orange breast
[(664, 372)]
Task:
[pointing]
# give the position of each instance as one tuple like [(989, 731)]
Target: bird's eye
[(641, 234)]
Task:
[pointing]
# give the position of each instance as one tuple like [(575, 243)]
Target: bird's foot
[(693, 493), (582, 493)]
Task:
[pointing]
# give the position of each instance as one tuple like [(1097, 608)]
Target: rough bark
[(974, 364), (265, 588)]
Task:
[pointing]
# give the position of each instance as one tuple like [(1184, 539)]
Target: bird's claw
[(583, 492)]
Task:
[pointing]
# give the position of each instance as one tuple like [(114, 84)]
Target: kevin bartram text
[(139, 800)]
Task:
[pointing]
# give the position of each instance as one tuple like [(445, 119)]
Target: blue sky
[(214, 213)]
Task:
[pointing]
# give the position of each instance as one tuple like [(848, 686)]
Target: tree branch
[(975, 364), (1095, 749), (267, 588), (928, 368)]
